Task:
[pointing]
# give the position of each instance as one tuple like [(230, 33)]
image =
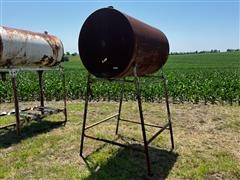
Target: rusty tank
[(112, 43), (26, 48)]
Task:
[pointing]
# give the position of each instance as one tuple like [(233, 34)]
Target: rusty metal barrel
[(112, 43), (26, 48)]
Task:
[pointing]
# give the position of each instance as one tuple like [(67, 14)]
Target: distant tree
[(68, 53), (64, 59), (201, 52), (233, 50), (230, 50), (74, 54)]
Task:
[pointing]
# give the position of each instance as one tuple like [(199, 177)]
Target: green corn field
[(207, 78)]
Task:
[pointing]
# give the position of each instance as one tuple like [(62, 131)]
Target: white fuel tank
[(26, 48)]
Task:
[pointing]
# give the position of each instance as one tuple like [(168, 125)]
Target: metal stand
[(16, 104), (45, 111), (146, 141)]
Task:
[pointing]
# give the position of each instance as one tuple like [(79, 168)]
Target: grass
[(206, 136), (211, 62)]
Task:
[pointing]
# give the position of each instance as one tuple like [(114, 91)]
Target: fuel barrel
[(112, 43), (26, 48)]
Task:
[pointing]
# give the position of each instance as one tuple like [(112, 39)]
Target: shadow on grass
[(129, 164), (9, 137)]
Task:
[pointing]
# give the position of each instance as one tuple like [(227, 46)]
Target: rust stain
[(46, 61), (24, 32), (53, 42)]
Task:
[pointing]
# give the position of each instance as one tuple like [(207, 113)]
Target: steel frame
[(146, 142), (13, 72)]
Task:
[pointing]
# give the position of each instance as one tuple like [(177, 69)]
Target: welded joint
[(13, 72)]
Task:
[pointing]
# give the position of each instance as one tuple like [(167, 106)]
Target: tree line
[(176, 53), (203, 52)]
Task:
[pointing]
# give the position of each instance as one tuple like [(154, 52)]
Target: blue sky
[(189, 25)]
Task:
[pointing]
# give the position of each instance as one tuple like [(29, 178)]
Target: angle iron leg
[(14, 86), (138, 95), (85, 114), (168, 110), (64, 96), (41, 96), (119, 111)]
